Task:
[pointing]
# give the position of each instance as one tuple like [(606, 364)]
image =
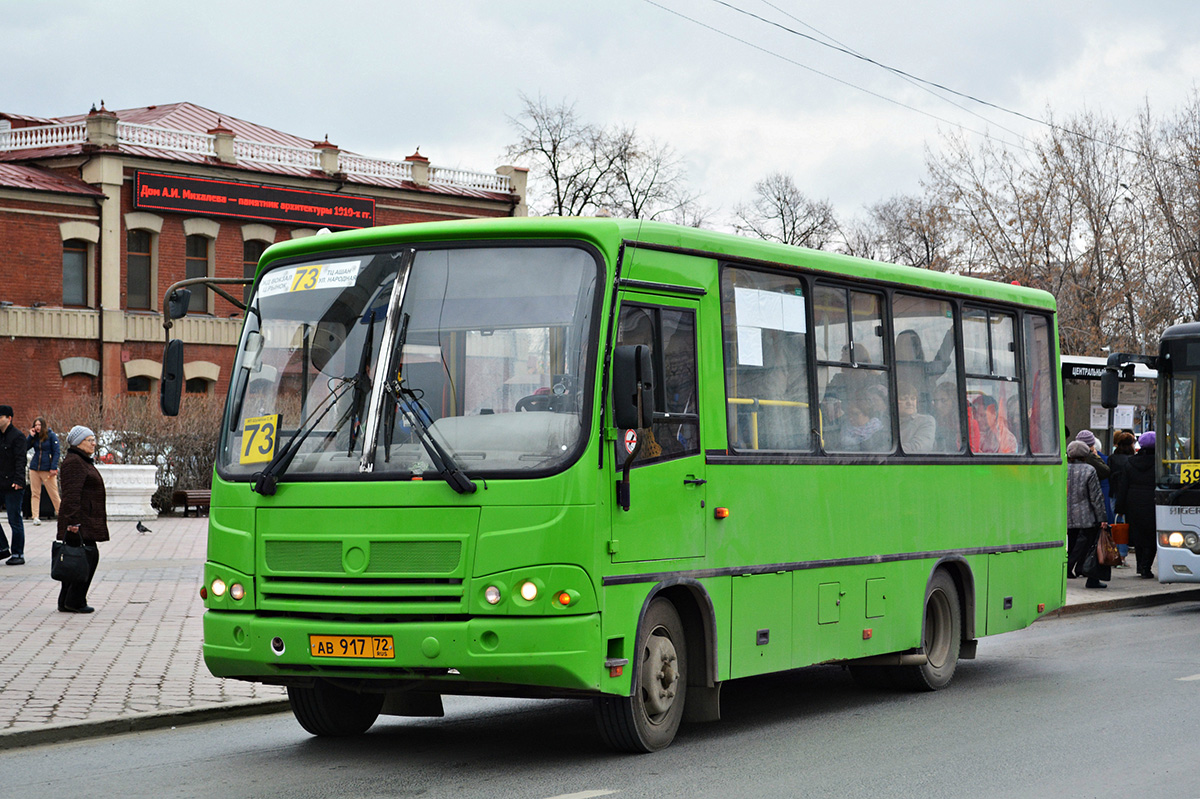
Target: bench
[(197, 498)]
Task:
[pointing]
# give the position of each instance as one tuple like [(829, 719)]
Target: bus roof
[(608, 234)]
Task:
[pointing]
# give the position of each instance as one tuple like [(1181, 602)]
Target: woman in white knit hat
[(81, 512)]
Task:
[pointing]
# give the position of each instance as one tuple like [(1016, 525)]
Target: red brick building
[(100, 213)]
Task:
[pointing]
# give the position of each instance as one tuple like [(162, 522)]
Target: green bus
[(623, 461)]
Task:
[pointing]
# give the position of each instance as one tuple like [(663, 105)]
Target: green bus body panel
[(815, 562)]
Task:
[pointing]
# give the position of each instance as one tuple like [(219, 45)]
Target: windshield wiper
[(362, 386), (413, 411), (266, 481)]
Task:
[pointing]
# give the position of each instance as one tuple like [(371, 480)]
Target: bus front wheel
[(648, 720), (941, 640), (327, 710)]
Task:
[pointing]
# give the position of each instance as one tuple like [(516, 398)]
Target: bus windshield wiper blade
[(266, 481), (442, 460), (362, 386)]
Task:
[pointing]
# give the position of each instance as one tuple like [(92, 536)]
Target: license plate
[(352, 646)]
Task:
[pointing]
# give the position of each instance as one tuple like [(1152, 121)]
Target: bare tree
[(649, 179), (1168, 191), (781, 212), (580, 168), (1056, 216), (571, 162), (904, 230)]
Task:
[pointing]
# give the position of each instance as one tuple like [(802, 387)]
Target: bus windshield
[(490, 361)]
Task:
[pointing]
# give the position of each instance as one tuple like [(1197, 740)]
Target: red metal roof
[(20, 176)]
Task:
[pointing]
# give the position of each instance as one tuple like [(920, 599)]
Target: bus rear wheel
[(330, 711), (648, 720), (941, 639)]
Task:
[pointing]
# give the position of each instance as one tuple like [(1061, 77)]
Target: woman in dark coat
[(81, 513), (1124, 450), (1085, 514), (1135, 499)]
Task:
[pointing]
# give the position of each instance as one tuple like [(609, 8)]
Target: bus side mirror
[(1110, 385), (633, 387), (171, 386), (178, 303)]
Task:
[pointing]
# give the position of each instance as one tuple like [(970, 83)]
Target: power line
[(912, 81), (838, 47), (815, 71)]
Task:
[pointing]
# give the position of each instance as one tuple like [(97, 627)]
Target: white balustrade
[(43, 136), (180, 141), (261, 152), (487, 181), (276, 154), (376, 167)]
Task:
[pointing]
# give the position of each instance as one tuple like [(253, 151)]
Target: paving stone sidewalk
[(139, 653)]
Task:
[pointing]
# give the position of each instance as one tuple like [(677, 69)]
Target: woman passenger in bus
[(864, 431), (917, 430), (994, 433), (948, 437)]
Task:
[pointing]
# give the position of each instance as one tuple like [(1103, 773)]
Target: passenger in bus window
[(948, 437), (863, 432), (994, 433), (917, 430)]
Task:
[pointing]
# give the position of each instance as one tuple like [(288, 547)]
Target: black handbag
[(68, 562)]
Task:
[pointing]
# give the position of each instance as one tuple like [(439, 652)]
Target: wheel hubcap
[(660, 675)]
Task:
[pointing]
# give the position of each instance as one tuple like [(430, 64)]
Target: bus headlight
[(237, 591), (218, 587), (492, 595), (529, 591), (1191, 541), (1174, 539)]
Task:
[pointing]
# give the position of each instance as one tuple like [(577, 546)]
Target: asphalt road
[(1100, 705)]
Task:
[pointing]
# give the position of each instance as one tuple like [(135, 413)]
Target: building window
[(196, 265), (137, 385), (196, 385), (75, 256), (251, 251), (137, 244)]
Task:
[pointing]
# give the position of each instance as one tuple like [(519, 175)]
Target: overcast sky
[(382, 78)]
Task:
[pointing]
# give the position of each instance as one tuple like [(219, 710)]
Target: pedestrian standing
[(1098, 462), (1122, 451), (43, 469), (1136, 501), (12, 484), (1085, 514), (83, 517)]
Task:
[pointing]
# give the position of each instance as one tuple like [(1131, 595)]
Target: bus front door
[(666, 516)]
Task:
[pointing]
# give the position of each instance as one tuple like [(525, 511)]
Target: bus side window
[(671, 335), (766, 361)]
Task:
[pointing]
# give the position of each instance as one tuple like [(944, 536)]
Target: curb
[(1144, 601), (139, 722)]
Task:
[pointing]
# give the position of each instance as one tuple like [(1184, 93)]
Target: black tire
[(330, 711), (648, 720), (941, 638)]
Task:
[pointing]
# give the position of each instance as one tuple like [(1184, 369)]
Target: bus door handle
[(692, 481)]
